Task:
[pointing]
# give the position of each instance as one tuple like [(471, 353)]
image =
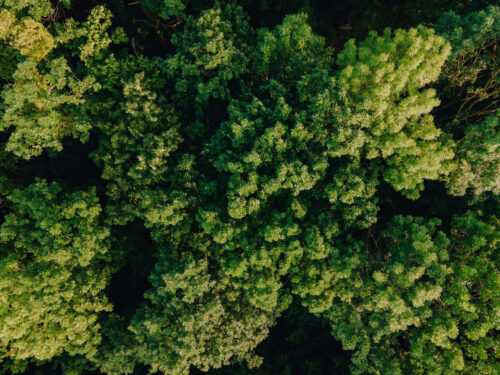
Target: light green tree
[(54, 266), (41, 108), (478, 155), (386, 105), (193, 319), (27, 36)]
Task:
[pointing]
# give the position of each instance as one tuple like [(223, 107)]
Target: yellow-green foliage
[(34, 108), (27, 36), (52, 273), (383, 82)]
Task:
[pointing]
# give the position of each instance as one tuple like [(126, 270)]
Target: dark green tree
[(469, 79)]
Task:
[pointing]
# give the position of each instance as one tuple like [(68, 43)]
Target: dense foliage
[(249, 187)]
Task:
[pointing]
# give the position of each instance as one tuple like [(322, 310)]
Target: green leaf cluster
[(54, 267)]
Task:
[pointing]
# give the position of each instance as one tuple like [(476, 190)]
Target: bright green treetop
[(192, 320), (386, 110), (53, 269)]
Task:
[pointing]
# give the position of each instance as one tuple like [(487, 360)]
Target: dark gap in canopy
[(299, 344)]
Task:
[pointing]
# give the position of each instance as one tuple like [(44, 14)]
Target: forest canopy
[(249, 187)]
